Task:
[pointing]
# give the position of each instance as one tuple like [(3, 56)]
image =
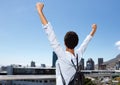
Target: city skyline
[(22, 38)]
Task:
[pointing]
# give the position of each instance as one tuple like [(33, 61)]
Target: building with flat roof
[(100, 62), (90, 64), (33, 64), (54, 59), (29, 76)]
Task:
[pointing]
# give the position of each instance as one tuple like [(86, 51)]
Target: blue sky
[(22, 38)]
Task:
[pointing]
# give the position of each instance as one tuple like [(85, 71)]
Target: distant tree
[(118, 84), (89, 82)]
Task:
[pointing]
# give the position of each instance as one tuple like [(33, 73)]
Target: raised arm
[(50, 32), (83, 46), (40, 12)]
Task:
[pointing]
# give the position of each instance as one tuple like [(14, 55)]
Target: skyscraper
[(33, 64), (100, 62), (54, 59), (90, 64), (82, 64)]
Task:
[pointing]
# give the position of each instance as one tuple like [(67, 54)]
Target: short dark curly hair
[(71, 39)]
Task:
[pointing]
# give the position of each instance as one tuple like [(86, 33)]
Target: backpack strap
[(75, 66), (77, 61), (63, 80)]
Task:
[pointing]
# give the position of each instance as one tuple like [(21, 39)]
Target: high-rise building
[(90, 64), (54, 59), (33, 64), (82, 64), (100, 62)]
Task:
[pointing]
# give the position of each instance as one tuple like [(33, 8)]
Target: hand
[(39, 6), (94, 26)]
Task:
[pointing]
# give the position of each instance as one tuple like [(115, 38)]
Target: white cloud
[(118, 44)]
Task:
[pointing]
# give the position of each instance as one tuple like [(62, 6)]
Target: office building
[(33, 64), (100, 62), (82, 63), (24, 72), (90, 64), (54, 59), (103, 67)]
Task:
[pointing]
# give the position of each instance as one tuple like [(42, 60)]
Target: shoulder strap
[(75, 66), (63, 80), (77, 60)]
